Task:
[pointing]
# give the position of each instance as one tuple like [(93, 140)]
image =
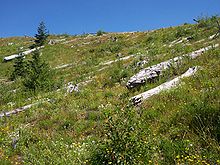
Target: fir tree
[(41, 36), (20, 68), (39, 75)]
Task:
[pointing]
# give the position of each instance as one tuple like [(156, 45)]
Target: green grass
[(99, 125)]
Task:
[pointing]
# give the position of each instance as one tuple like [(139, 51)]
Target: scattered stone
[(114, 39), (119, 55), (141, 63), (70, 88), (10, 43)]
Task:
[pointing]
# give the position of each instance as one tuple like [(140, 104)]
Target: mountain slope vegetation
[(98, 124)]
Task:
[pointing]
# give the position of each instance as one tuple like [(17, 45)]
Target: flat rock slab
[(155, 71), (165, 86)]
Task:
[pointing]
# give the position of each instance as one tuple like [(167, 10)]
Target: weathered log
[(63, 66), (11, 57), (17, 110), (120, 59), (54, 41), (155, 71), (165, 86)]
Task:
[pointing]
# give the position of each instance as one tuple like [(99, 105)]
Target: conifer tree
[(39, 75), (42, 35), (20, 68)]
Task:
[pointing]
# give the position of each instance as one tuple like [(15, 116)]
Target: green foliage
[(117, 74), (100, 33), (39, 75), (178, 126), (20, 68), (41, 36), (207, 22), (202, 116), (183, 32), (125, 140)]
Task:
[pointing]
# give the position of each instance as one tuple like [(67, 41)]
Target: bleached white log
[(31, 50), (17, 110), (165, 86), (213, 36), (11, 57), (178, 41), (54, 41), (63, 66), (120, 59), (155, 71)]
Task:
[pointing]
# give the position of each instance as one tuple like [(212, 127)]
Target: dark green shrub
[(117, 74), (183, 32), (20, 68), (38, 76), (207, 22), (41, 36), (125, 141), (100, 33)]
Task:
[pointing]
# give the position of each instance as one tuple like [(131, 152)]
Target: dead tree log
[(155, 71), (165, 86), (24, 108), (11, 57)]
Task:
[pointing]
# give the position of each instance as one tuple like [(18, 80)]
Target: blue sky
[(21, 17)]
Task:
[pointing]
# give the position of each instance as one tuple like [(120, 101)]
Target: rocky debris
[(119, 55), (11, 57), (70, 88), (141, 63), (114, 39), (165, 86), (10, 43), (155, 71)]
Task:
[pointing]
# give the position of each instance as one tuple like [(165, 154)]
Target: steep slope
[(98, 124)]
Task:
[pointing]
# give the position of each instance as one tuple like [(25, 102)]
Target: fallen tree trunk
[(155, 71), (165, 86), (120, 59), (63, 66), (11, 57), (17, 110)]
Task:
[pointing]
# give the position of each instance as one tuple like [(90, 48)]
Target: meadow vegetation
[(98, 124)]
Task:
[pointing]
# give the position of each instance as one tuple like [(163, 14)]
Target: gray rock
[(70, 88)]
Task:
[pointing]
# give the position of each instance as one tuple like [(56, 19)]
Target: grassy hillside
[(99, 125)]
